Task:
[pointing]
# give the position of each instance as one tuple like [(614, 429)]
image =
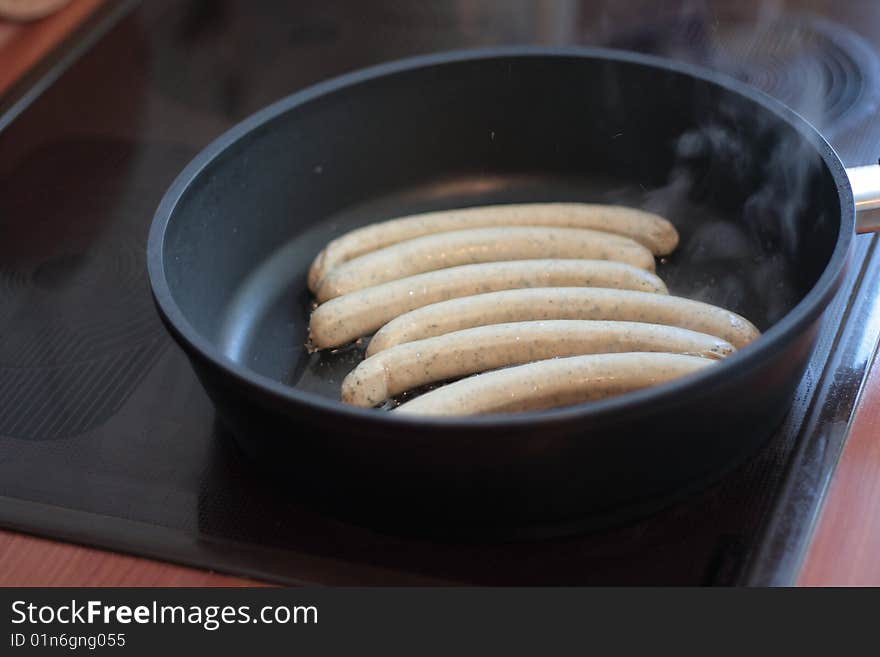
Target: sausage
[(655, 232), (356, 314), (563, 303), (483, 348), (463, 247), (553, 383)]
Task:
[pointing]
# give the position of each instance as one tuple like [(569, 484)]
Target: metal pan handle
[(865, 182)]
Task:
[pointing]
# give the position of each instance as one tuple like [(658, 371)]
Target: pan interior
[(754, 203)]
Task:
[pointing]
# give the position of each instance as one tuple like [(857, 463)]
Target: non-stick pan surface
[(759, 198)]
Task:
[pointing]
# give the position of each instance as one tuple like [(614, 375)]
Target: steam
[(743, 254)]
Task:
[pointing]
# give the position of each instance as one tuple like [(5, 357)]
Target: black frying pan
[(763, 205)]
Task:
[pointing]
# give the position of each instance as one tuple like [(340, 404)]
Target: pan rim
[(783, 331)]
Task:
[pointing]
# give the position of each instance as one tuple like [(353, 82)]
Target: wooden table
[(844, 551), (846, 548), (29, 561), (24, 44)]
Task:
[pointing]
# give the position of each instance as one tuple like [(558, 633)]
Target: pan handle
[(865, 182)]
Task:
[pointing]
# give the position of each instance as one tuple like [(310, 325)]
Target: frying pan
[(765, 210)]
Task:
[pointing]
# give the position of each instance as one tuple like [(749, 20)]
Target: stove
[(107, 439)]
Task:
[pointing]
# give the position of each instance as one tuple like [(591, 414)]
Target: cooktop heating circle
[(823, 70)]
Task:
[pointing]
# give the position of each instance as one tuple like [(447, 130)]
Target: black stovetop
[(106, 437)]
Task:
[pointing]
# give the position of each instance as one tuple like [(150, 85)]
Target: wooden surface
[(23, 44), (846, 550), (846, 547), (29, 561)]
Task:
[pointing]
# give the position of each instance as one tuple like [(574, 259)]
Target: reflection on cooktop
[(79, 325)]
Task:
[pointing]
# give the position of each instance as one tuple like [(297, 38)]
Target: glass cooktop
[(107, 439)]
